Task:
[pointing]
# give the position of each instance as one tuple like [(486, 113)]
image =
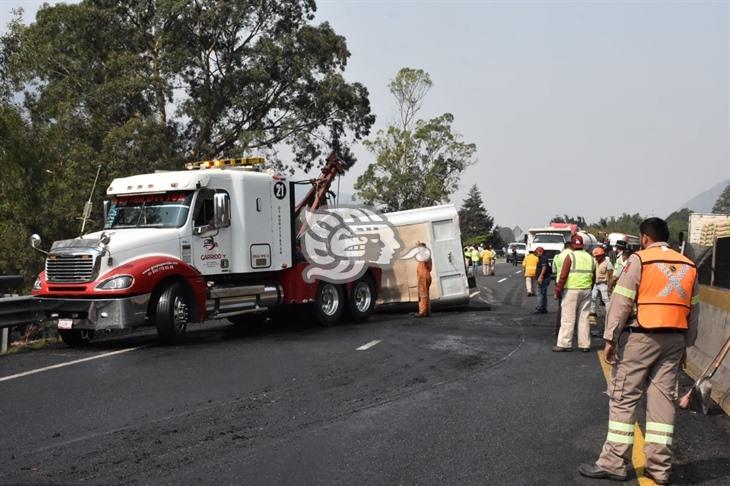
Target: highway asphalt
[(466, 397)]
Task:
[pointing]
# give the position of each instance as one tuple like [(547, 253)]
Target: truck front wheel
[(172, 314), (329, 303), (362, 302), (76, 337)]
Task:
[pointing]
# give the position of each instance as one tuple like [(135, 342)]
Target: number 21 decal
[(279, 190)]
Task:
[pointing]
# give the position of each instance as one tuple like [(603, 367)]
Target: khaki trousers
[(575, 305), (646, 362), (528, 284)]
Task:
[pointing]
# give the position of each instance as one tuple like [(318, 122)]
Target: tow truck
[(218, 240)]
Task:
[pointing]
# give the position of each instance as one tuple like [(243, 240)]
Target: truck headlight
[(116, 283), (37, 284)]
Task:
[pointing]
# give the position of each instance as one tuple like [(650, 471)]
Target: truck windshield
[(168, 210), (549, 239)]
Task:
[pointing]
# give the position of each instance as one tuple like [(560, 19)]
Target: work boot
[(595, 472)]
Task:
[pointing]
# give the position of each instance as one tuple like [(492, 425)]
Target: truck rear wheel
[(329, 304), (172, 314), (76, 337), (362, 301)]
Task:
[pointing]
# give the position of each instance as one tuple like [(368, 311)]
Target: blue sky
[(590, 108)]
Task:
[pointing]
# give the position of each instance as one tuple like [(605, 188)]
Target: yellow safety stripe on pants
[(621, 426), (659, 427), (695, 300), (628, 293), (621, 439), (658, 439)]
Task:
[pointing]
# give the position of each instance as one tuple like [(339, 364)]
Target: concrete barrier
[(714, 329)]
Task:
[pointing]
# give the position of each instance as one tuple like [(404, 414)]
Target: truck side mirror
[(35, 243), (221, 210)]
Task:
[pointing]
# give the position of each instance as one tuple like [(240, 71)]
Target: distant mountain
[(703, 202)]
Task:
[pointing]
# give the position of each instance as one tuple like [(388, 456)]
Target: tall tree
[(417, 162), (722, 205), (140, 85), (473, 216)]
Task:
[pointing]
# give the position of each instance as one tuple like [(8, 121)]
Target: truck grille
[(70, 268)]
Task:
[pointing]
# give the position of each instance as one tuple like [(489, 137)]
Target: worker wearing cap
[(604, 273), (557, 268), (646, 347), (574, 288), (622, 256)]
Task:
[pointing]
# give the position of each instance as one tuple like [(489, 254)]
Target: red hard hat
[(577, 241), (539, 250), (598, 251)]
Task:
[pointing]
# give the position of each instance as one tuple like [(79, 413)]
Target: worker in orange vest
[(646, 349), (423, 272)]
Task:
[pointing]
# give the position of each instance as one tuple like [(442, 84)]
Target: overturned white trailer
[(438, 227)]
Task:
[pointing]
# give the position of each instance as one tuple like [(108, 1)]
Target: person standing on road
[(544, 271), (604, 273), (423, 274), (529, 267), (646, 349), (557, 268), (622, 256), (488, 259), (475, 257), (574, 288)]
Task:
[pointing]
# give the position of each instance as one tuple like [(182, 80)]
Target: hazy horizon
[(584, 108)]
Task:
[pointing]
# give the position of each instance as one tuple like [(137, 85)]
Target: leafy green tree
[(140, 85), (417, 162), (722, 205)]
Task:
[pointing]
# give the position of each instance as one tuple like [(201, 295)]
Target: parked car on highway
[(521, 251)]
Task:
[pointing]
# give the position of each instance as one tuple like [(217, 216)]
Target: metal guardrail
[(8, 282), (18, 310)]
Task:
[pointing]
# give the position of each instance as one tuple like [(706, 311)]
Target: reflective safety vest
[(558, 263), (474, 255), (618, 267), (582, 268), (664, 297)]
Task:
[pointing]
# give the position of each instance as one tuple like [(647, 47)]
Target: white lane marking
[(368, 345), (518, 272), (500, 281), (68, 363), (471, 296)]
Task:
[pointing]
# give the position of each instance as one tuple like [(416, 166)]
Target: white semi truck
[(215, 241)]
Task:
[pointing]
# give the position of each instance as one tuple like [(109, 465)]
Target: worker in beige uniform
[(573, 290), (646, 348)]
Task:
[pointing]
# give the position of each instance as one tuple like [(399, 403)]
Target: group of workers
[(481, 255), (652, 316)]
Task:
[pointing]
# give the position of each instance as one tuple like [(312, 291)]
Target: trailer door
[(448, 261)]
